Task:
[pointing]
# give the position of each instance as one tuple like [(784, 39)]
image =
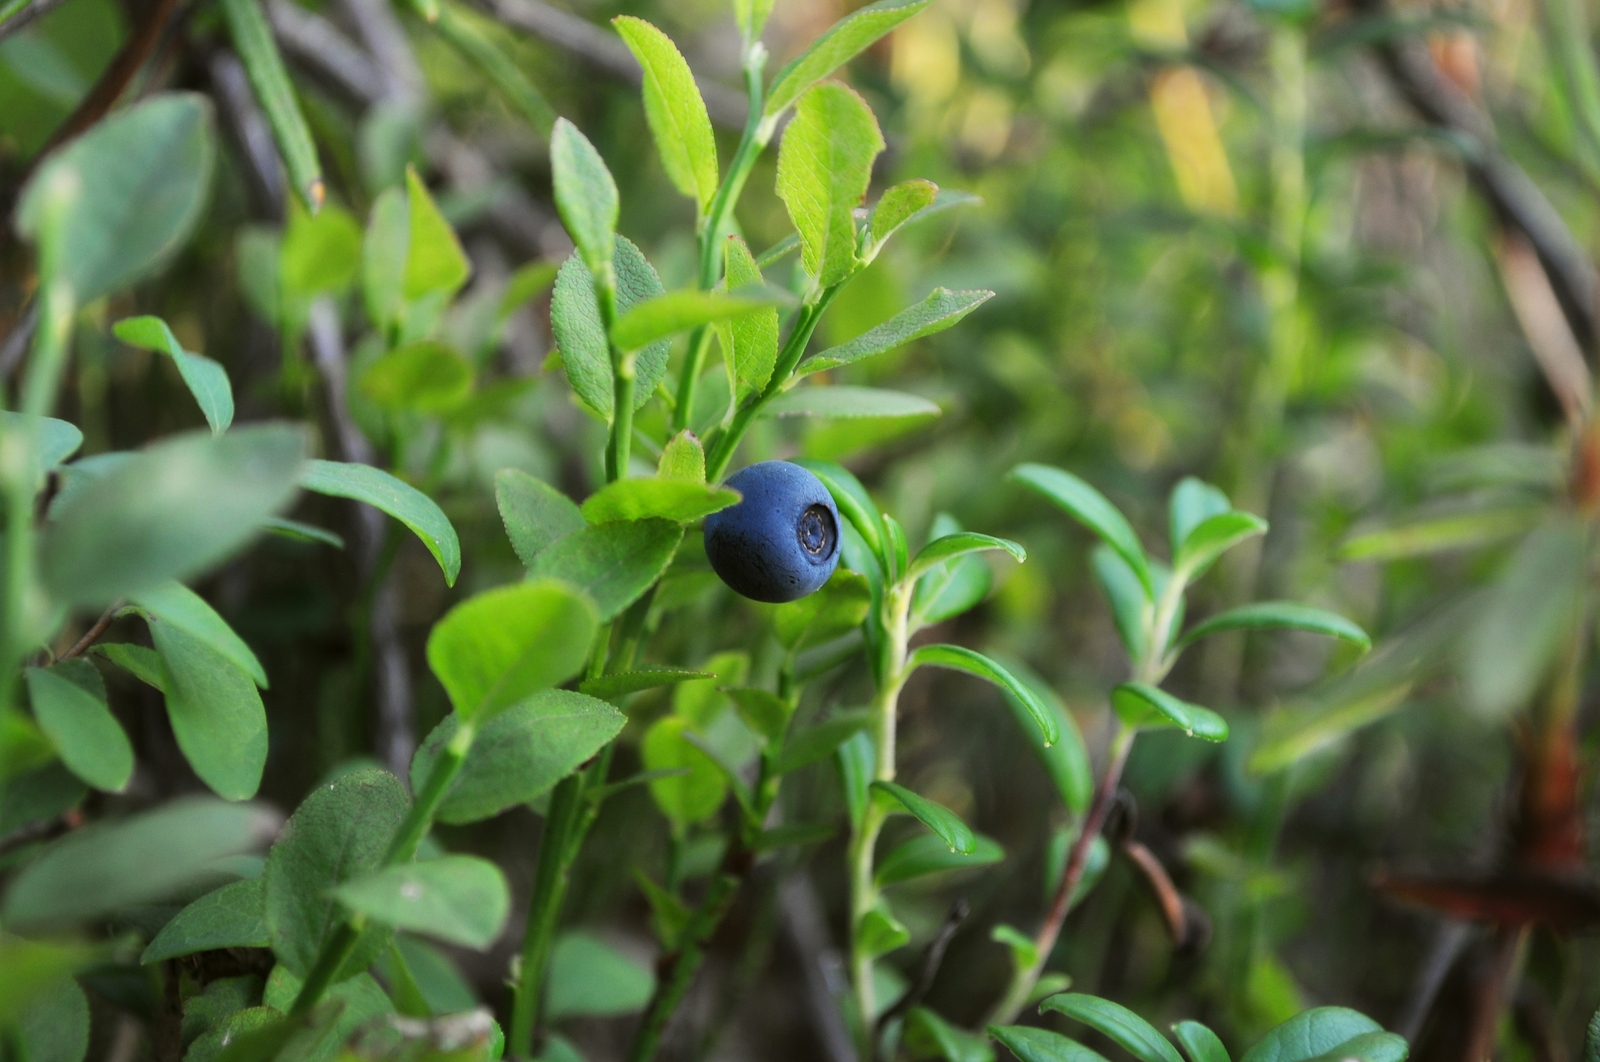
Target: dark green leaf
[(1031, 1044), (807, 746), (69, 703), (1369, 1047), (216, 712), (1067, 759), (613, 563), (55, 1026), (1201, 1044), (960, 658), (622, 683), (1279, 615), (942, 309), (535, 514), (206, 380), (928, 1034), (1309, 1035), (1090, 508), (1138, 704), (181, 607), (1130, 608), (400, 500), (1117, 1023), (233, 916), (929, 854), (581, 338), (952, 587), (949, 547), (460, 899), (956, 835), (1193, 502)]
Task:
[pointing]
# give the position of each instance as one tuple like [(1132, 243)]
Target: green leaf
[(842, 401), (1031, 1044), (69, 703), (622, 683), (425, 376), (676, 113), (206, 380), (174, 510), (841, 43), (589, 978), (143, 664), (928, 1034), (667, 315), (929, 854), (1316, 1032), (683, 458), (854, 503), (460, 899), (1192, 503), (751, 15), (1201, 1044), (951, 587), (897, 206), (824, 167), (838, 608), (303, 532), (339, 833), (765, 713), (689, 797), (37, 796), (233, 916), (960, 658), (1024, 951), (586, 195), (942, 821), (1279, 615), (137, 183), (498, 647), (880, 932), (1369, 1047), (377, 488), (949, 547), (258, 50), (435, 261), (807, 746), (220, 1000), (1291, 736), (383, 257), (1117, 1023), (535, 514), (1213, 537), (682, 501), (103, 868), (1067, 759), (519, 754), (1130, 608), (55, 1026), (942, 309), (320, 254), (255, 1034), (854, 761), (581, 338), (1141, 705), (215, 710), (32, 971), (502, 70), (54, 441), (1427, 535), (1090, 508), (526, 284), (181, 607), (749, 342), (613, 563)]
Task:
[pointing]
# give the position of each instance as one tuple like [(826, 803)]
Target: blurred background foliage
[(1224, 243)]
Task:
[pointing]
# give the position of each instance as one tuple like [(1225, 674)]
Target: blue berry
[(781, 542)]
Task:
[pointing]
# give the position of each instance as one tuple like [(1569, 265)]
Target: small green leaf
[(434, 259), (425, 376), (751, 15), (589, 978), (1141, 705), (842, 42), (258, 51), (1279, 615), (824, 167), (207, 381), (749, 342), (683, 458), (1117, 1023), (838, 608), (689, 797), (1024, 951), (502, 70), (1311, 1034), (814, 743), (679, 311), (233, 916), (951, 587), (1193, 501), (383, 257), (320, 254), (676, 113), (581, 338), (143, 664), (942, 309), (1090, 508), (765, 713), (1424, 536), (54, 441), (55, 1026), (1213, 537), (176, 604), (1032, 1044), (622, 683), (1291, 736), (460, 899), (844, 401), (586, 195), (215, 710), (613, 563), (960, 658), (942, 821), (854, 761), (928, 1034), (929, 854), (399, 499), (535, 514), (1201, 1044), (897, 206), (1130, 608), (69, 703), (682, 501), (1369, 1047), (949, 547), (880, 932), (500, 646)]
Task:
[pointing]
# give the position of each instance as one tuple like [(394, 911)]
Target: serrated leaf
[(1141, 705), (69, 703), (585, 194), (676, 113), (206, 380), (233, 916), (1280, 615), (749, 342), (394, 496), (535, 514), (613, 563), (842, 42), (622, 683), (501, 646), (817, 742), (896, 206), (683, 458), (960, 658), (1213, 537), (215, 711), (176, 604), (1090, 508), (929, 854), (1201, 1044), (425, 377), (942, 309), (844, 401), (1117, 1023), (824, 167), (581, 338), (681, 501), (1032, 1044), (956, 835), (434, 259), (456, 898)]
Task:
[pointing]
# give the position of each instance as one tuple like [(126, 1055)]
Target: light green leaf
[(843, 401), (54, 441), (1201, 1044), (749, 342), (613, 563), (1279, 615), (952, 587), (942, 309), (590, 978), (425, 376), (1309, 1035), (206, 380), (379, 489), (181, 607), (1090, 508), (928, 1034), (215, 710), (586, 195), (519, 754), (1130, 608), (838, 608), (171, 511), (948, 547), (1193, 501), (841, 43), (676, 113), (55, 1026), (956, 835), (456, 898), (383, 257), (879, 932), (269, 78), (526, 284), (824, 167), (1138, 704), (683, 458), (1032, 1044), (233, 916), (751, 15), (69, 703), (108, 866), (622, 683), (679, 500), (320, 254), (689, 797), (897, 206), (678, 311), (960, 658), (1213, 537), (1291, 736), (500, 646), (1427, 535), (143, 664), (575, 320), (1117, 1023), (535, 514), (137, 182), (434, 259), (765, 713), (31, 971), (929, 854), (814, 743)]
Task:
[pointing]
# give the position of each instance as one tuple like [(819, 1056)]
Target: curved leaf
[(215, 710), (1213, 537), (456, 898), (1117, 1023), (1201, 1043), (1138, 704), (585, 194), (233, 916), (1193, 501), (942, 309), (363, 483), (960, 658), (183, 608), (956, 835), (951, 546), (1031, 1044), (613, 563), (678, 500), (842, 41), (824, 167), (207, 381), (929, 854), (1279, 615), (676, 113), (1090, 508), (1308, 1035)]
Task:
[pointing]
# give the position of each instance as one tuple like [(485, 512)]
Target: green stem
[(330, 959), (549, 888)]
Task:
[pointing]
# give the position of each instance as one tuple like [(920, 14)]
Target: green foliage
[(215, 710), (581, 334), (614, 563), (230, 917), (823, 168), (585, 195), (206, 380), (677, 114), (69, 704), (460, 899), (400, 500), (956, 835)]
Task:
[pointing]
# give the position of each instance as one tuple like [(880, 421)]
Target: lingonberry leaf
[(1090, 508), (1117, 1023), (956, 835)]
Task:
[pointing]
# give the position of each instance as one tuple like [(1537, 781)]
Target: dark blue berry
[(781, 541)]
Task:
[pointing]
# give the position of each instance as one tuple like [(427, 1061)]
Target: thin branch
[(17, 340), (29, 13), (932, 959), (82, 645), (1166, 893)]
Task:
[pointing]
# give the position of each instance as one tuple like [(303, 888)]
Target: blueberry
[(781, 541)]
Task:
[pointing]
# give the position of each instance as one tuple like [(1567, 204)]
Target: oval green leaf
[(377, 488)]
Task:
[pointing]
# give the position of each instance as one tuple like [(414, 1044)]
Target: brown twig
[(82, 645), (1166, 893), (932, 959), (1492, 991)]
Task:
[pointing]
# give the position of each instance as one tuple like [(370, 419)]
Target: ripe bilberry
[(781, 542)]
